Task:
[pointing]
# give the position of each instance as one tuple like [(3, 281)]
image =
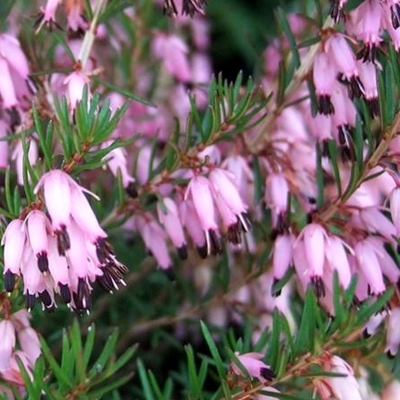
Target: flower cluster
[(62, 252), (19, 342)]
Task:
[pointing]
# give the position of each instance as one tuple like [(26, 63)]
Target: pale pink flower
[(75, 20), (200, 192), (117, 163), (232, 209), (172, 51), (336, 256), (7, 343), (29, 342), (369, 266), (83, 215), (395, 208), (7, 90), (367, 27), (391, 391), (276, 196), (373, 323), (48, 14), (75, 84), (11, 51), (282, 255), (370, 83), (342, 56), (345, 387), (254, 366), (388, 265), (191, 222), (168, 216), (38, 228), (324, 75), (13, 241), (314, 239), (154, 239), (18, 155), (376, 222), (4, 145), (56, 186), (393, 332)]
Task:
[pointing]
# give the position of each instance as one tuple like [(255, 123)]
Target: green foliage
[(79, 373)]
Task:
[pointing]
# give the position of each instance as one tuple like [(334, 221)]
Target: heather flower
[(117, 163), (367, 28), (276, 197), (154, 239), (282, 255), (342, 56), (314, 239), (345, 387), (47, 15), (191, 222), (200, 192), (229, 203), (13, 241), (254, 366), (395, 208), (11, 52), (18, 157), (337, 259), (172, 51), (75, 84), (75, 19), (7, 343), (369, 265), (393, 332), (71, 247), (7, 90), (4, 145), (369, 80), (391, 391), (324, 74), (168, 216)]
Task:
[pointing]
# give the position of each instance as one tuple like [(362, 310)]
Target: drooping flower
[(254, 366), (168, 216), (69, 246), (200, 192)]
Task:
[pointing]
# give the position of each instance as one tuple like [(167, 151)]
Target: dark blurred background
[(239, 33)]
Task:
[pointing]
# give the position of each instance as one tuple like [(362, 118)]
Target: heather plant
[(168, 233)]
